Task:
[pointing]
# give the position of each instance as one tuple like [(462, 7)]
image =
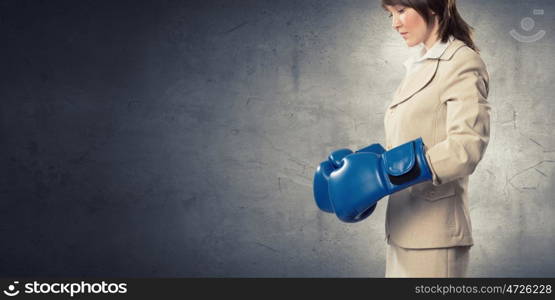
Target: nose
[(395, 22)]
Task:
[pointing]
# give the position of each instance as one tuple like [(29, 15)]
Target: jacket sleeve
[(467, 121)]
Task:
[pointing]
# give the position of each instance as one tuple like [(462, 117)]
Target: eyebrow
[(396, 6)]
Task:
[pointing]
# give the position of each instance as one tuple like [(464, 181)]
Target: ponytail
[(451, 23)]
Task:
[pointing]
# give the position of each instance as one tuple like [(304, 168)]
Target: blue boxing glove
[(362, 179), (323, 171)]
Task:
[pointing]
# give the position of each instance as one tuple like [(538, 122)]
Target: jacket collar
[(434, 53), (418, 80)]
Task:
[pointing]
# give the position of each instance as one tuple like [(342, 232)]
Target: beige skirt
[(435, 262)]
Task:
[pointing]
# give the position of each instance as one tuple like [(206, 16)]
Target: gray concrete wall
[(179, 138)]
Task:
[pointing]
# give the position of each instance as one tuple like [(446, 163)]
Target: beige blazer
[(444, 102)]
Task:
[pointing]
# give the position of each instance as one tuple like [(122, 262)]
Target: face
[(409, 24)]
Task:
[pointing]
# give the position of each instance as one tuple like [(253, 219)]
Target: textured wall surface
[(179, 138)]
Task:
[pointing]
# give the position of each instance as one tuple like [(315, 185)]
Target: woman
[(442, 99), (437, 130)]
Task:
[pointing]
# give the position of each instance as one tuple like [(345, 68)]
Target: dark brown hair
[(450, 22)]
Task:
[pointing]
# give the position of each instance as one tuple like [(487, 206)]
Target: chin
[(411, 43)]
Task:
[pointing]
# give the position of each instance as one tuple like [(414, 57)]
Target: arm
[(467, 121)]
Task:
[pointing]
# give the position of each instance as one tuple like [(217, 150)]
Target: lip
[(404, 33)]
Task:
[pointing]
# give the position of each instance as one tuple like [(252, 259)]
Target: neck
[(432, 36), (429, 43)]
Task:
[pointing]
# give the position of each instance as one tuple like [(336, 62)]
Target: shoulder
[(462, 71), (461, 56), (466, 56), (460, 61)]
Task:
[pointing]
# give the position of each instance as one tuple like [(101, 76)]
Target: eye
[(402, 10)]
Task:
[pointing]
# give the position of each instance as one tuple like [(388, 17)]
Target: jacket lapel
[(415, 82), (418, 80)]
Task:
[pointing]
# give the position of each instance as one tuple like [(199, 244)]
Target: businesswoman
[(442, 99)]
